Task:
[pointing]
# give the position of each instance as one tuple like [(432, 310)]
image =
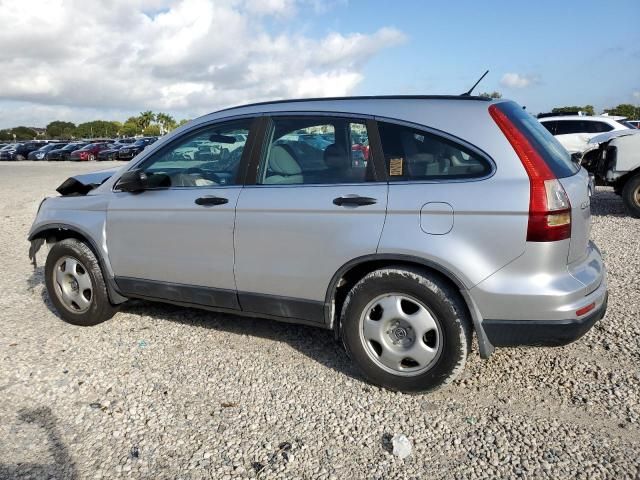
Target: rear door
[(316, 204), (175, 240), (448, 204)]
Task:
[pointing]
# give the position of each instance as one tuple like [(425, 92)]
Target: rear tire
[(406, 329), (75, 284), (631, 195)]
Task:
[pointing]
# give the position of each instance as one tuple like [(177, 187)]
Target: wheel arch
[(353, 271), (55, 232)]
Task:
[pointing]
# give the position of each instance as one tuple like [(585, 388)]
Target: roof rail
[(561, 114), (364, 97)]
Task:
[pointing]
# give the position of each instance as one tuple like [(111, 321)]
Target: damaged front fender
[(84, 183)]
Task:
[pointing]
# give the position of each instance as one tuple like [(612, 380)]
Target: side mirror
[(133, 181)]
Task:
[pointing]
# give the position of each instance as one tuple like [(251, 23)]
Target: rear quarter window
[(413, 154), (555, 155)]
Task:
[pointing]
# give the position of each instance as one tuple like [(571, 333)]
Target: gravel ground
[(168, 392)]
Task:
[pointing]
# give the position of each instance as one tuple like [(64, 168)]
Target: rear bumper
[(551, 333)]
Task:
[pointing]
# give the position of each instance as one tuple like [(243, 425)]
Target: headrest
[(336, 157), (281, 162)]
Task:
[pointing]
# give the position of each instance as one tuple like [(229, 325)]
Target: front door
[(175, 240), (315, 206)]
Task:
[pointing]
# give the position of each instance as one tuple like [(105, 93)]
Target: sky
[(81, 60)]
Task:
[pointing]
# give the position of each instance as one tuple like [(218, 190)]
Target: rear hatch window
[(554, 154)]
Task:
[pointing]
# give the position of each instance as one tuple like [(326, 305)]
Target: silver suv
[(403, 224)]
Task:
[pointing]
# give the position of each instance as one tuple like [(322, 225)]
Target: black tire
[(443, 302), (631, 195), (100, 308)]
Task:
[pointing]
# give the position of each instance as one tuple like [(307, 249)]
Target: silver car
[(411, 224)]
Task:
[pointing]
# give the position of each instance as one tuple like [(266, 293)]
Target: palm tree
[(166, 121), (145, 119)]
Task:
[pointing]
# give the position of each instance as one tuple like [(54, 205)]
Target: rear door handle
[(211, 200), (354, 201)]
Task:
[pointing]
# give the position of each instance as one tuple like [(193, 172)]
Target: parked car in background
[(19, 151), (130, 151), (63, 153), (614, 159), (111, 153), (88, 152), (468, 217), (42, 151), (574, 131)]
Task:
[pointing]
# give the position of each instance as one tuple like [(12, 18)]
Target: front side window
[(316, 150), (206, 158), (412, 154)]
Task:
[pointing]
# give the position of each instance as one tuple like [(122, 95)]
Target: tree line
[(147, 123)]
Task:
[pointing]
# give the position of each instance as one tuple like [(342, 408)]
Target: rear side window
[(554, 154), (598, 127), (412, 154), (316, 150)]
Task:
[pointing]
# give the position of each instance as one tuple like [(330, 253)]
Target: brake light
[(549, 206)]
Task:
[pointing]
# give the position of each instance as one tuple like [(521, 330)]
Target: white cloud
[(518, 80), (184, 56)]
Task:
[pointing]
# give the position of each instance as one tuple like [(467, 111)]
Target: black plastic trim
[(293, 310), (278, 306), (390, 258), (547, 333), (196, 295)]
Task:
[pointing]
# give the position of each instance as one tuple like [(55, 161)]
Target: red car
[(89, 152)]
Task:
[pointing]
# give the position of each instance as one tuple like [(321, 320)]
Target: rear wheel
[(75, 284), (631, 195), (406, 329)]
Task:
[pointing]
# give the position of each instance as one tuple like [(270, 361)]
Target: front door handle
[(211, 200), (354, 201)]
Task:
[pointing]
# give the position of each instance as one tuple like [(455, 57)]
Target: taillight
[(549, 206)]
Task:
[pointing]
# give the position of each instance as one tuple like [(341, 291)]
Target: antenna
[(468, 93)]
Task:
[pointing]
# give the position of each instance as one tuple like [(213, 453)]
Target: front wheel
[(631, 195), (75, 284), (406, 329)]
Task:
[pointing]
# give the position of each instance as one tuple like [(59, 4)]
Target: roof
[(368, 97)]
